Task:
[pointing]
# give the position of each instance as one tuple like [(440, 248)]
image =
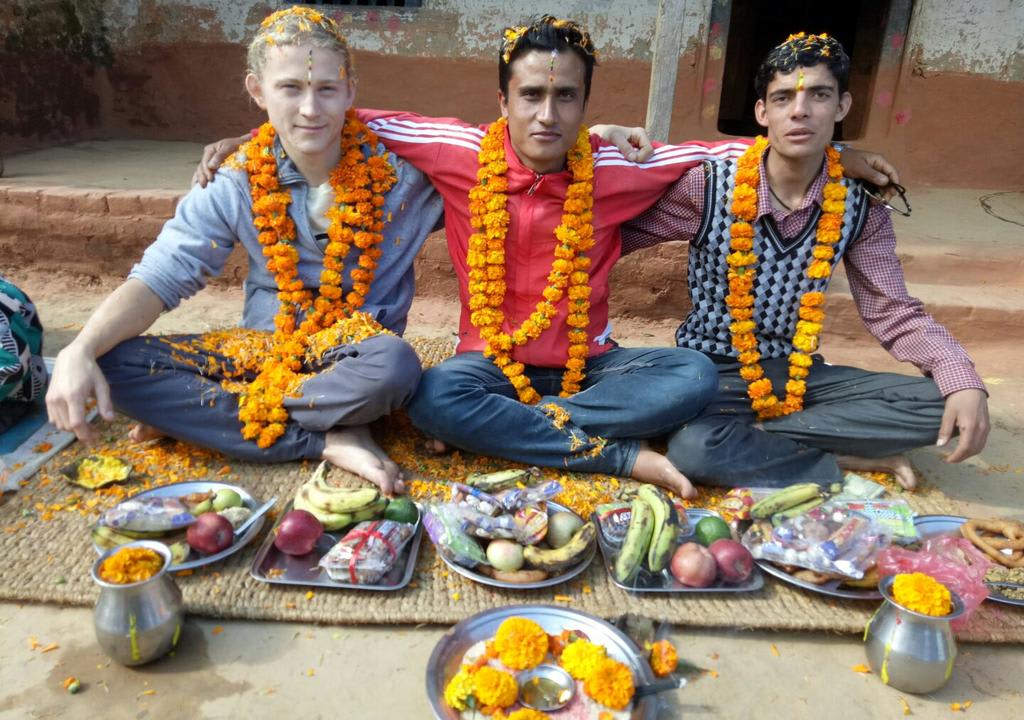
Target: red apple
[(210, 533), (298, 532), (735, 563), (693, 565)]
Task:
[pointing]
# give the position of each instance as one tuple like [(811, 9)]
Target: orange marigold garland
[(359, 184), (742, 263), (569, 270)]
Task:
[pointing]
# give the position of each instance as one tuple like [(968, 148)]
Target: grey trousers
[(847, 411), (161, 386)]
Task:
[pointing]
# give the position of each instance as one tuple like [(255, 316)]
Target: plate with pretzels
[(1001, 540)]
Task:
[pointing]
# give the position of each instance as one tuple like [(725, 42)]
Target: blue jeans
[(628, 394)]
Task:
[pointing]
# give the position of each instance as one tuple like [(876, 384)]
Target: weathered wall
[(945, 102)]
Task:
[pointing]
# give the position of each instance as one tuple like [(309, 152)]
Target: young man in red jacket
[(533, 205)]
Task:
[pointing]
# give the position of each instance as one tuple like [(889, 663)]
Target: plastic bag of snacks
[(484, 503), (367, 552), (516, 498), (148, 514), (829, 538), (444, 528), (951, 560)]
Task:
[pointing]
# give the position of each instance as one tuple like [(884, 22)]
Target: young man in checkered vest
[(765, 232)]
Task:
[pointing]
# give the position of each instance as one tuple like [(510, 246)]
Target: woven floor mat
[(47, 555)]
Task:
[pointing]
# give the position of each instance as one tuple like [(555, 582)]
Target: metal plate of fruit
[(271, 565), (932, 525), (646, 581), (181, 490), (581, 558), (447, 656)]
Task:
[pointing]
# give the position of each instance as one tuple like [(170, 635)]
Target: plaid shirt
[(889, 312)]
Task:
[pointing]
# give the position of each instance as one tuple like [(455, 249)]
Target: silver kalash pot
[(142, 621), (910, 651)]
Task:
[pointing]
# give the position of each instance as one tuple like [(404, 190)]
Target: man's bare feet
[(354, 449), (433, 446), (654, 468), (141, 432), (898, 465)]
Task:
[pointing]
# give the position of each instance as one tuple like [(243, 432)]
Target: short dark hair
[(806, 51), (546, 34)]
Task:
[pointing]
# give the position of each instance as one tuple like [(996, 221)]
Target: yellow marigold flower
[(528, 714), (521, 643), (494, 688), (580, 658), (664, 658), (819, 269), (751, 373), (459, 689), (611, 684), (922, 594)]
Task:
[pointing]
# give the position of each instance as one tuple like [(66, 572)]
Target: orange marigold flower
[(611, 684), (664, 658), (495, 688), (521, 643)]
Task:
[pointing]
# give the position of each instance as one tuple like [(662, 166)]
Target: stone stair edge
[(92, 200)]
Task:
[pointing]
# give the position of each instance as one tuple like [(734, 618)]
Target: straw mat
[(49, 560)]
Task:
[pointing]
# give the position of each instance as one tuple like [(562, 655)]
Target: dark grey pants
[(847, 410), (161, 386)]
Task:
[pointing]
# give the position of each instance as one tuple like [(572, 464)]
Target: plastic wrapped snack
[(830, 538), (516, 498), (444, 528), (367, 552), (148, 514), (531, 523), (484, 503), (894, 518), (477, 524)]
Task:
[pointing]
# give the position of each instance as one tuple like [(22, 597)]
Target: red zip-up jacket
[(446, 151)]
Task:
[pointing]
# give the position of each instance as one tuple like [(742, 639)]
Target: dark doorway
[(755, 27)]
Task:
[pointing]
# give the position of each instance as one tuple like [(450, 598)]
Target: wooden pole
[(668, 42)]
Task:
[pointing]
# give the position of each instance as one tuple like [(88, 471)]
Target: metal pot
[(138, 622), (910, 651)]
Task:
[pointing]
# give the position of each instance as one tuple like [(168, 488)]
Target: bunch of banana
[(803, 495), (336, 507), (554, 562), (493, 482), (651, 535)]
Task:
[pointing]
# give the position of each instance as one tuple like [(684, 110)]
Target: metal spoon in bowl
[(256, 515), (548, 688)]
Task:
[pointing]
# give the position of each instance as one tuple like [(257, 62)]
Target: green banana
[(663, 537), (494, 481), (784, 499), (638, 539), (372, 511), (556, 561), (330, 521), (179, 552), (143, 534), (779, 517)]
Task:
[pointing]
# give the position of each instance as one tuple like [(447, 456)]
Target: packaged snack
[(475, 498), (531, 523), (895, 518), (484, 526), (444, 528), (830, 538), (367, 552), (613, 521), (516, 498), (148, 514)]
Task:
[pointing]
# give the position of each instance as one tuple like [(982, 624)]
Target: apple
[(226, 498), (735, 563), (298, 532), (210, 533), (693, 565)]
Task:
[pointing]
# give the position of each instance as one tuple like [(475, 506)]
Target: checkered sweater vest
[(781, 269)]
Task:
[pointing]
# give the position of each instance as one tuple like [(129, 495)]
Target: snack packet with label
[(516, 498), (444, 528), (482, 502)]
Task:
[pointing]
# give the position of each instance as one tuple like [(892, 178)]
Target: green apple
[(226, 498)]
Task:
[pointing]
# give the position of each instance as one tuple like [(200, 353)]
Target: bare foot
[(141, 432), (433, 446), (898, 465), (353, 449), (651, 467)]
